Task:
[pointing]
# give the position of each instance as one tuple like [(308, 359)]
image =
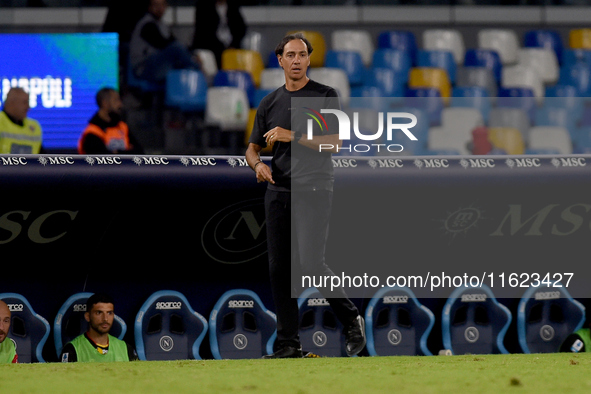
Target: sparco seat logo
[(169, 305), (241, 304), (235, 234)]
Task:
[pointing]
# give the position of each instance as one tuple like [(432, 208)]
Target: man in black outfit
[(298, 228)]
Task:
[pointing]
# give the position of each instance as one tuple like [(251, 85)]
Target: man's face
[(158, 8), (295, 60), (17, 105), (4, 321), (100, 317), (114, 103)]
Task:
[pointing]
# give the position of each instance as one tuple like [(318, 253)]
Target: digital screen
[(62, 73)]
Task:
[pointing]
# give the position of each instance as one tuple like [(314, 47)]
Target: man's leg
[(311, 215), (278, 223)]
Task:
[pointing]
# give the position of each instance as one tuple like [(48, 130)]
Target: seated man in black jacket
[(106, 133), (153, 50)]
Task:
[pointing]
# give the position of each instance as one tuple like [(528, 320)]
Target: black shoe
[(355, 336), (286, 352)]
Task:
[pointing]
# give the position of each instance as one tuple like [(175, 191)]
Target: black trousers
[(297, 231)]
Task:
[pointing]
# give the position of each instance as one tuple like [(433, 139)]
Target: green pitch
[(518, 373)]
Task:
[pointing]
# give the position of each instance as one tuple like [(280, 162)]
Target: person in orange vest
[(106, 132)]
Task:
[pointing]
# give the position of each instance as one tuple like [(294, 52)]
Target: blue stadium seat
[(399, 39), (474, 322), (487, 58), (546, 315), (555, 116), (70, 322), (472, 97), (238, 79), (349, 61), (565, 96), (167, 328), (272, 61), (320, 330), (241, 326), (572, 56), (427, 99), (438, 59), (259, 94), (28, 330), (186, 90), (577, 75), (143, 85), (549, 39), (518, 97), (388, 80), (398, 60), (582, 140), (397, 324)]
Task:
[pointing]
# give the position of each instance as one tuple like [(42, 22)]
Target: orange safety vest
[(115, 138)]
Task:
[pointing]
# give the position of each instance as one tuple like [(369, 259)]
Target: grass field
[(517, 373)]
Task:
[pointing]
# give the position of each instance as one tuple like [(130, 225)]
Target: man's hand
[(263, 173), (278, 134)]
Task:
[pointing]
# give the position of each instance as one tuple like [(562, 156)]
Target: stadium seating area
[(167, 327), (521, 97)]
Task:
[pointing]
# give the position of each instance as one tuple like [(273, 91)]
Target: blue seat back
[(427, 99), (485, 58), (28, 330), (320, 330), (438, 59), (387, 80), (167, 328), (545, 317), (70, 322), (399, 39), (577, 75), (236, 78), (572, 56), (543, 38), (397, 324), (518, 97), (186, 90), (348, 61), (472, 97), (474, 322), (241, 326), (398, 60)]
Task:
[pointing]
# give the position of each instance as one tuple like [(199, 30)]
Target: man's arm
[(253, 158), (330, 142), (69, 354)]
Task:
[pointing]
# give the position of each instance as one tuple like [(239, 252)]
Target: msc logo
[(344, 163), (103, 160), (169, 305), (198, 161), (523, 163), (477, 163), (235, 234), (385, 163), (241, 304), (55, 160), (150, 160), (52, 223), (569, 162), (14, 161), (473, 297), (431, 163)]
